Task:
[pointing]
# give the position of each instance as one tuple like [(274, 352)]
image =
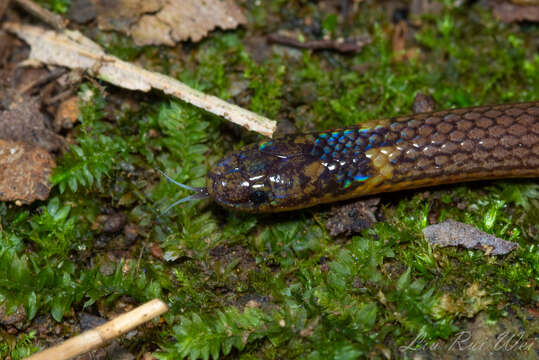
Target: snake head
[(265, 177)]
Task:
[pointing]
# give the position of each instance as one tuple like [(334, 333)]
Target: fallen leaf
[(23, 121), (24, 172), (167, 21), (454, 233), (73, 50), (508, 12)]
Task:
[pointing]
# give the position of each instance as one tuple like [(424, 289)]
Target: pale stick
[(73, 50), (96, 337)]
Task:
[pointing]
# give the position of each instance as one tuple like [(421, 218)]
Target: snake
[(405, 152)]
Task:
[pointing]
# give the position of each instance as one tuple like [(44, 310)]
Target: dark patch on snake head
[(265, 177)]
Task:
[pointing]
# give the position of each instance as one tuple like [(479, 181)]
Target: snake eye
[(258, 197)]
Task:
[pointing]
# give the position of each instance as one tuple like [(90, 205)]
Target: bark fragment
[(454, 233), (24, 172)]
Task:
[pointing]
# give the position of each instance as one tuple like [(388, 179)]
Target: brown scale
[(297, 171), (463, 145)]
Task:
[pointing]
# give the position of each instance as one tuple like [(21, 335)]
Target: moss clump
[(246, 286)]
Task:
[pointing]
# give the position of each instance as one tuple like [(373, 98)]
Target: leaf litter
[(454, 233), (24, 172), (73, 50), (167, 22)]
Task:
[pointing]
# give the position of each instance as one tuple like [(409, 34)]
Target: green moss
[(17, 348), (248, 286), (58, 6)]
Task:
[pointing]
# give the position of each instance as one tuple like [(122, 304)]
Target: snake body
[(405, 152)]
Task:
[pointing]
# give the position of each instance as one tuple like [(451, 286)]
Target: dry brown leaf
[(167, 21), (24, 172), (73, 50), (454, 233), (508, 12)]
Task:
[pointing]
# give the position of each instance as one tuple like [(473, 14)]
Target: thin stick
[(344, 45), (49, 76), (96, 337), (73, 50), (54, 20)]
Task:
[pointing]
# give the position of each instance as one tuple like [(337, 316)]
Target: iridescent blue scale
[(264, 145)]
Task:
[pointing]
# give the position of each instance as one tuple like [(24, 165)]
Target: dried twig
[(54, 20), (49, 76), (340, 45), (73, 50), (93, 338)]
